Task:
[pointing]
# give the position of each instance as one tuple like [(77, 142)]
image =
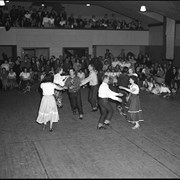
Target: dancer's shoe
[(136, 126), (101, 127), (50, 130), (81, 116)]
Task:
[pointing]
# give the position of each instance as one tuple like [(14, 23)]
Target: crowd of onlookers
[(155, 78), (19, 16)]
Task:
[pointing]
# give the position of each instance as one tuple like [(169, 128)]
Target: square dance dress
[(48, 108)]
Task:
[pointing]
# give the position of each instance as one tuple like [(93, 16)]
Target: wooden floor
[(76, 149)]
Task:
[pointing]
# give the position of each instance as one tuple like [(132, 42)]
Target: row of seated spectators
[(21, 17), (14, 73)]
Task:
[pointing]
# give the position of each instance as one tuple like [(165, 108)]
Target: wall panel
[(56, 39)]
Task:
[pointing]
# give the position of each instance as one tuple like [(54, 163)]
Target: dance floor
[(76, 149)]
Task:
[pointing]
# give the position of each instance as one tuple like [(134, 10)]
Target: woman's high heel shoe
[(136, 126)]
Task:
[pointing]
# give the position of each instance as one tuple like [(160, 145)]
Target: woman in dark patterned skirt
[(135, 111)]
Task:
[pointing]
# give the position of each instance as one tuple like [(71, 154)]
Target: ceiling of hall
[(155, 9)]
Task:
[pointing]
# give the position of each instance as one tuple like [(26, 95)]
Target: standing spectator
[(17, 70), (34, 18), (177, 80), (47, 66), (169, 75), (14, 15), (97, 62), (63, 13), (174, 74), (108, 54), (77, 65), (122, 54), (27, 19), (84, 64), (51, 21), (26, 63), (62, 22), (140, 57), (21, 13), (39, 17), (4, 79), (42, 59), (45, 21), (71, 20), (81, 75), (57, 64), (11, 63), (67, 64)]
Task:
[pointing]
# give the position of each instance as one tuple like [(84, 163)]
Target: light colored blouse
[(48, 88), (25, 75), (134, 88), (12, 75)]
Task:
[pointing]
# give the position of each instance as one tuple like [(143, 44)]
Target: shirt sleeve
[(86, 80), (168, 90), (112, 94)]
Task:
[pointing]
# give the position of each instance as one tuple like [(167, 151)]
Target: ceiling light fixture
[(2, 3), (143, 8), (42, 4), (87, 5)]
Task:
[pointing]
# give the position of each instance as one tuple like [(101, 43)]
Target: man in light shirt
[(106, 109), (92, 79)]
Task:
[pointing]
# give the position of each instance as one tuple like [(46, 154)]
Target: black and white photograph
[(89, 89)]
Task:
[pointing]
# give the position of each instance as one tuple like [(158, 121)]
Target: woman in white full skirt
[(48, 111)]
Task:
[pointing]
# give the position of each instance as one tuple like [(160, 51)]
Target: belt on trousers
[(74, 91)]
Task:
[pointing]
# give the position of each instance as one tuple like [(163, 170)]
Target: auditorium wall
[(56, 39), (155, 48)]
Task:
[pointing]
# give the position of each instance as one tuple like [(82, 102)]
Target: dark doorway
[(8, 51), (77, 52), (36, 52)]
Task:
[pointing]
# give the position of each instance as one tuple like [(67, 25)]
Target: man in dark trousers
[(92, 79), (106, 109), (123, 80), (74, 90)]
